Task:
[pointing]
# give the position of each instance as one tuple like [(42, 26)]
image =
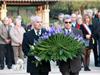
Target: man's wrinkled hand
[(88, 36)]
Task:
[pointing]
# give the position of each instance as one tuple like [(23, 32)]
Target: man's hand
[(88, 36), (7, 41)]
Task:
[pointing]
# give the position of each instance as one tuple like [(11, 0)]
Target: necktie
[(68, 31), (38, 33)]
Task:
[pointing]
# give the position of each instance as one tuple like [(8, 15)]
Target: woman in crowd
[(87, 34)]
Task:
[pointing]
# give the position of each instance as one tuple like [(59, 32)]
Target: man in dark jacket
[(70, 67), (29, 39), (96, 28)]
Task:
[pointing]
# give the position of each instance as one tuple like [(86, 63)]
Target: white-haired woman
[(16, 34)]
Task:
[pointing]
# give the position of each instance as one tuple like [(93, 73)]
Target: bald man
[(29, 39)]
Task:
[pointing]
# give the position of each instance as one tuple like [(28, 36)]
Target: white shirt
[(68, 30), (36, 32)]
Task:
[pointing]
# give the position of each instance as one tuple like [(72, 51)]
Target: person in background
[(60, 22), (79, 22), (16, 34), (29, 39), (73, 18), (4, 44), (22, 21), (30, 27), (11, 24), (87, 30), (11, 21), (96, 27)]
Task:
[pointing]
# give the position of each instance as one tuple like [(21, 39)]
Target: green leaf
[(57, 47)]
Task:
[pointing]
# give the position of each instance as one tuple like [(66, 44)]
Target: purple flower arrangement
[(56, 45), (53, 31)]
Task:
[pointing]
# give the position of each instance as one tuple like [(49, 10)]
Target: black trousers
[(6, 54), (70, 73), (99, 51), (40, 73), (95, 52), (2, 55), (9, 55), (34, 74), (43, 73)]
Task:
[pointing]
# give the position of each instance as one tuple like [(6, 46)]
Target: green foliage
[(57, 47), (26, 19), (24, 11), (60, 7)]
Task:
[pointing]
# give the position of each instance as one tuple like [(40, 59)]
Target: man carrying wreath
[(71, 66), (30, 38)]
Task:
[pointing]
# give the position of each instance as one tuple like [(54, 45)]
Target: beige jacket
[(3, 33), (16, 35)]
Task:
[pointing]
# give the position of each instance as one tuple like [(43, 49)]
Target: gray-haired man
[(70, 67), (29, 39)]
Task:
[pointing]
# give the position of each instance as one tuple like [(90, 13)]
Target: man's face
[(67, 23), (38, 25)]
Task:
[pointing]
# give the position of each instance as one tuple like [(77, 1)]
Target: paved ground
[(54, 71), (94, 70)]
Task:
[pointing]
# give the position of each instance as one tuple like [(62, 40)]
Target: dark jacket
[(84, 31), (29, 39), (96, 27)]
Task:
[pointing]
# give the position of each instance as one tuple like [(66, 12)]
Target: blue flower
[(58, 30), (44, 36), (52, 30)]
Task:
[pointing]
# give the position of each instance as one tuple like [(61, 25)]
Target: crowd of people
[(15, 38), (11, 36), (89, 25)]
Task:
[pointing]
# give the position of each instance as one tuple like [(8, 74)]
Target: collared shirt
[(73, 24), (68, 30), (37, 32)]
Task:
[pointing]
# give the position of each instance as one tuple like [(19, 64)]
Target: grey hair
[(67, 17), (17, 20), (36, 18)]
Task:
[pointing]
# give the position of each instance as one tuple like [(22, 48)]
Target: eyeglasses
[(68, 22)]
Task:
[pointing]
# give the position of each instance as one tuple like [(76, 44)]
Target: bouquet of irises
[(57, 45)]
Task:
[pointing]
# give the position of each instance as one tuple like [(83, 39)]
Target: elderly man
[(29, 39), (5, 51), (73, 18), (71, 67)]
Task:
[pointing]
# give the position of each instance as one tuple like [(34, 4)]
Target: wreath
[(56, 45)]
